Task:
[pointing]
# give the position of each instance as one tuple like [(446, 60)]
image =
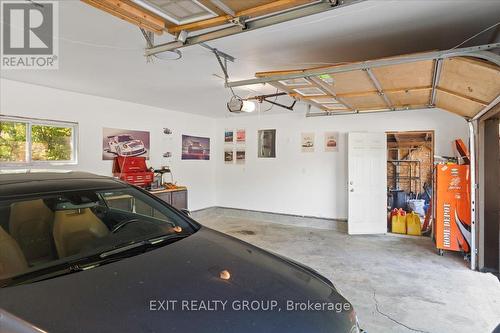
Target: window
[(44, 231), (128, 203), (12, 141), (32, 141)]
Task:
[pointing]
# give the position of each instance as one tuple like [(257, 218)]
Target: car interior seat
[(12, 260), (74, 229), (30, 224)]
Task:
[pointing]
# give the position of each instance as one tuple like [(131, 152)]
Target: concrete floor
[(396, 283)]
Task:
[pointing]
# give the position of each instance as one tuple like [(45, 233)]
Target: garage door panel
[(410, 75), (267, 5), (366, 101), (459, 105), (349, 82), (470, 78), (410, 97)]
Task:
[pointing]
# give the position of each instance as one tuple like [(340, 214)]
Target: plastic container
[(398, 222), (417, 206), (413, 226)]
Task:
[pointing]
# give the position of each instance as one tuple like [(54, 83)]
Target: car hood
[(120, 296)]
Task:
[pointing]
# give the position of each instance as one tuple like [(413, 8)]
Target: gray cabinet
[(165, 196), (179, 199), (176, 198)]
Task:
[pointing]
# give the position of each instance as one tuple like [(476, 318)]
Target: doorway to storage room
[(410, 160)]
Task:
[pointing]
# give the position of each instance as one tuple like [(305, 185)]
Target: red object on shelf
[(132, 170), (462, 151)]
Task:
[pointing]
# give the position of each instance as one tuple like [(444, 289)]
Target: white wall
[(93, 113), (312, 184)]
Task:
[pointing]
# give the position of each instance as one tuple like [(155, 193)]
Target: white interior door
[(367, 183)]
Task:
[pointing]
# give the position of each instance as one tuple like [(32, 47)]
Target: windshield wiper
[(122, 224), (50, 272), (144, 243)]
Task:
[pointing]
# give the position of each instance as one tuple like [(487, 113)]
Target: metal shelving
[(414, 167)]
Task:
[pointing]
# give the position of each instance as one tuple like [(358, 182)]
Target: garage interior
[(330, 132)]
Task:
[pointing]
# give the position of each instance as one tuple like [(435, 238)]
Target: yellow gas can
[(413, 224), (399, 223)]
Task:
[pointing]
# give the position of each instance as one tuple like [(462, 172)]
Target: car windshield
[(45, 231), (134, 144), (125, 138)]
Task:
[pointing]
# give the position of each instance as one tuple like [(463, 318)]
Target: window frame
[(30, 122)]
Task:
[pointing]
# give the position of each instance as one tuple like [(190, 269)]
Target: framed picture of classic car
[(307, 142), (195, 148), (228, 156), (123, 142), (228, 136), (331, 141)]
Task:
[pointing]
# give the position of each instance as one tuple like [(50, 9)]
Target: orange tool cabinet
[(452, 204)]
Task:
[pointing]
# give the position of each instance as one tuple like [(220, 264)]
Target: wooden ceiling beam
[(129, 13), (264, 9), (483, 103), (364, 93), (209, 23)]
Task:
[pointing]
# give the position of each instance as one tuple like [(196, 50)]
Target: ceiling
[(463, 85), (102, 55)]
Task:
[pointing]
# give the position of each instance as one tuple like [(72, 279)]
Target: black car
[(86, 253)]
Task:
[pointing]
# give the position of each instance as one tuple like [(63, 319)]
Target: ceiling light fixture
[(248, 106), (238, 105)]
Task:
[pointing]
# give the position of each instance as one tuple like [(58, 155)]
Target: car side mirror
[(186, 212)]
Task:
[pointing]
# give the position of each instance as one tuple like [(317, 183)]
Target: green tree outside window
[(12, 141), (48, 143)]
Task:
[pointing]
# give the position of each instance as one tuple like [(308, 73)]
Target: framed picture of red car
[(331, 141), (195, 148), (123, 142)]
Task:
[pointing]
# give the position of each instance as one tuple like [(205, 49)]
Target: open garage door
[(464, 81)]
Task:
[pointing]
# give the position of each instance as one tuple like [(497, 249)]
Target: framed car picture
[(240, 136), (228, 136), (195, 148), (240, 156), (331, 141), (307, 142), (228, 156), (123, 142)]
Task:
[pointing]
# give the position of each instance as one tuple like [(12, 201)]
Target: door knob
[(352, 190)]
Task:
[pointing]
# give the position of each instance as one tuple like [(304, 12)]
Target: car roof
[(29, 182)]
